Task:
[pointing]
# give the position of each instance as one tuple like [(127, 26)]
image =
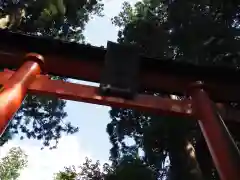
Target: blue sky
[(92, 139)]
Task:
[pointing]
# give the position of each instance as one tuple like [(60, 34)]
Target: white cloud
[(42, 164)]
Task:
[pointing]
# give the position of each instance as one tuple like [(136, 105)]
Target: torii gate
[(33, 55)]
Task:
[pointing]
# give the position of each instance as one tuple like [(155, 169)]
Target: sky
[(91, 119)]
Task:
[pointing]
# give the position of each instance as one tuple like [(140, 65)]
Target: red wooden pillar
[(220, 143), (14, 90)]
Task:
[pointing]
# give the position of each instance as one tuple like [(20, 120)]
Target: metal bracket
[(121, 72)]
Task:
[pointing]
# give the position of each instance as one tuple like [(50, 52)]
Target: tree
[(130, 167), (87, 171), (156, 137), (64, 19), (173, 30), (12, 164), (42, 117)]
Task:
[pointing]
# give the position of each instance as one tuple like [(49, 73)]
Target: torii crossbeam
[(60, 58)]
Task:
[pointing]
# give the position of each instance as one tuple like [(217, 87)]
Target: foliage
[(12, 164), (64, 19), (200, 32), (42, 117), (130, 167), (156, 137), (175, 30), (69, 173), (87, 171)]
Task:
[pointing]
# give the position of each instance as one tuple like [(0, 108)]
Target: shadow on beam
[(86, 62), (146, 103)]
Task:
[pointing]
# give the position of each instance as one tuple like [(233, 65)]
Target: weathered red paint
[(89, 94), (216, 135), (14, 90), (91, 70), (146, 103)]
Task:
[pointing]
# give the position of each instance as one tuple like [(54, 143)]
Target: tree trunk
[(13, 19), (184, 165)]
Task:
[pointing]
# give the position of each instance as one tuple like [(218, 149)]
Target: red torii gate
[(28, 78)]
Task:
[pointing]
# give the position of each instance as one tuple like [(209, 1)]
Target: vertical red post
[(225, 155), (13, 92)]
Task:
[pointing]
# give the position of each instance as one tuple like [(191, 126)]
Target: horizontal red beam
[(90, 94), (147, 103), (91, 70), (77, 92)]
